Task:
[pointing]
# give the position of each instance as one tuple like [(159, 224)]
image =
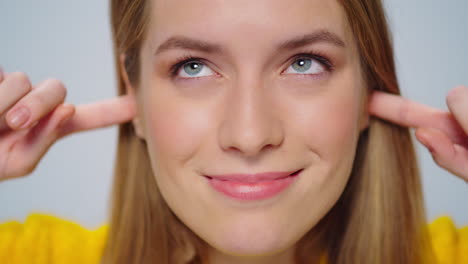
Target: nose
[(251, 123)]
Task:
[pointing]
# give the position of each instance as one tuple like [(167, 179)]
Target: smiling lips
[(252, 186)]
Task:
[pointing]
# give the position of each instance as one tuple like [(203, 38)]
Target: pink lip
[(252, 186)]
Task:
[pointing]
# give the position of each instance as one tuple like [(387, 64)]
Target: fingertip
[(71, 107), (65, 118), (373, 94), (68, 110), (382, 105), (133, 107), (130, 104), (455, 93), (2, 74), (373, 97)]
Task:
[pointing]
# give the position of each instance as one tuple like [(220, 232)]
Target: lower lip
[(252, 191)]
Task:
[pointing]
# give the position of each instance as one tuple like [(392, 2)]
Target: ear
[(130, 90)]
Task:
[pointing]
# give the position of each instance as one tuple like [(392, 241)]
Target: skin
[(246, 115), (250, 112)]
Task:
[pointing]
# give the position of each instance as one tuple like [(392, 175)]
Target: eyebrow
[(182, 42), (314, 37)]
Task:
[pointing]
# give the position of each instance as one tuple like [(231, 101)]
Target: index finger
[(2, 73), (405, 112), (101, 114)]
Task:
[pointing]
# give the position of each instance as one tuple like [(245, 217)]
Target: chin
[(249, 249), (248, 242)]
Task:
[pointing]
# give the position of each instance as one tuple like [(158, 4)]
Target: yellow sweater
[(45, 239)]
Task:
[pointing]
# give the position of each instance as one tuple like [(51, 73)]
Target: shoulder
[(449, 242), (49, 239)]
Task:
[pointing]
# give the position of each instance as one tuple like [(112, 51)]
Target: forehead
[(259, 20)]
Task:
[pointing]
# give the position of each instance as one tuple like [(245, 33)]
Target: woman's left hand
[(444, 133)]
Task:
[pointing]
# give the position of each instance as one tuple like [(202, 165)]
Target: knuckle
[(457, 95), (451, 97), (48, 92), (36, 100), (22, 80), (55, 82), (27, 170), (22, 171), (19, 76), (57, 86)]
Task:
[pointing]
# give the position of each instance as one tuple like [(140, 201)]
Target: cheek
[(332, 130), (174, 131), (174, 128), (328, 124), (326, 130), (333, 137)]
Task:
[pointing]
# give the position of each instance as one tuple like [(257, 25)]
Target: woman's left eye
[(193, 69), (306, 65)]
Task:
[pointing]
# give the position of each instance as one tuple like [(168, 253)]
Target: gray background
[(71, 41)]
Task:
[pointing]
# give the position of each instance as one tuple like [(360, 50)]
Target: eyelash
[(322, 59)]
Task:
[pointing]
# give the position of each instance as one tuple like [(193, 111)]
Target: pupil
[(193, 68), (302, 65)]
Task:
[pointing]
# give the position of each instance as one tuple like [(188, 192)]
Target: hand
[(24, 141), (444, 133)]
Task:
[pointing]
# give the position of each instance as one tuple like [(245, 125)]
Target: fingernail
[(428, 146), (18, 117), (426, 143), (423, 140)]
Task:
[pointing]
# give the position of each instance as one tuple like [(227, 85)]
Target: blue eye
[(302, 65), (306, 66), (193, 69)]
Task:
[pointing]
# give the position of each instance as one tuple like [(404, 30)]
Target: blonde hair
[(379, 218)]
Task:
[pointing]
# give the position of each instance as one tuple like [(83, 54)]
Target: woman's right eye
[(193, 69)]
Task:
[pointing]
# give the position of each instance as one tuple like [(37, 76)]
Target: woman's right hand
[(32, 118)]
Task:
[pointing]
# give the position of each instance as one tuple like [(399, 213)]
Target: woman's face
[(276, 87)]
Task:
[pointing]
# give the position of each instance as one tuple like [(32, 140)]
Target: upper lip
[(256, 177)]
